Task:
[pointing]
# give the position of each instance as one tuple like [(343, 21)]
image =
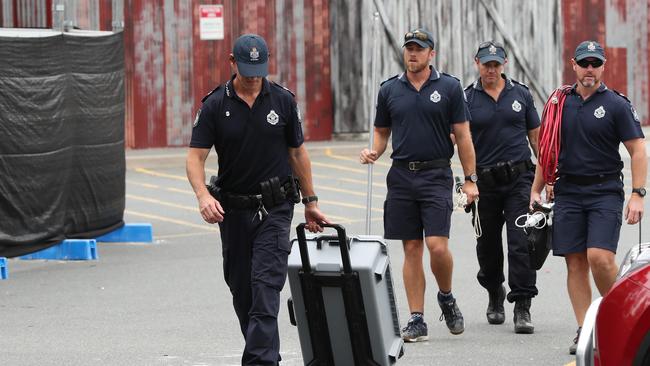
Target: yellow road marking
[(184, 235), (173, 221), (347, 191), (163, 203), (159, 174), (351, 205), (349, 180), (328, 152), (572, 363)]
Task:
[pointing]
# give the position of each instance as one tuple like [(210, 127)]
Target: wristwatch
[(306, 200), (472, 177), (640, 191)]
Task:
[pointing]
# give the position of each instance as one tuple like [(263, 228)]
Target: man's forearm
[(301, 167), (380, 141), (195, 169), (533, 139), (538, 182), (466, 153), (639, 167)]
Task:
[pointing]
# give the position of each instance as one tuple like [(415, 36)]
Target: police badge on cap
[(252, 55)]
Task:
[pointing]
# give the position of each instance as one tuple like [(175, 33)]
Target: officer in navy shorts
[(589, 192), (255, 128), (504, 123), (420, 107)]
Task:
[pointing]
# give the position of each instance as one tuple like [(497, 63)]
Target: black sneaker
[(495, 313), (574, 346), (415, 330), (523, 324), (452, 315)]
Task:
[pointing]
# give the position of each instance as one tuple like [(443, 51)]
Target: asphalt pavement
[(166, 303)]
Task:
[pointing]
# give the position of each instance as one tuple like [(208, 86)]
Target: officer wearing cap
[(589, 192), (255, 128), (504, 123), (419, 108)]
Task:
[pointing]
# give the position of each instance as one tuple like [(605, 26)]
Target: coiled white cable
[(537, 220), (460, 201)]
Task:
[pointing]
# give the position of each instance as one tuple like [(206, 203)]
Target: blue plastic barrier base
[(4, 273), (129, 233), (69, 249)]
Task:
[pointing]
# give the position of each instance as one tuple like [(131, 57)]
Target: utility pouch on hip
[(292, 189), (501, 173), (486, 178), (271, 192), (212, 187)]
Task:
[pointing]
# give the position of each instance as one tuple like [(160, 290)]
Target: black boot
[(496, 314), (523, 324)]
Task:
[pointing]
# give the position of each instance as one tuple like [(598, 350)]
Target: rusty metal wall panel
[(169, 69), (179, 101), (297, 32), (621, 26), (145, 70)]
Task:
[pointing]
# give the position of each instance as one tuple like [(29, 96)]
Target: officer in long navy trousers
[(504, 123), (254, 125), (419, 108), (589, 193)]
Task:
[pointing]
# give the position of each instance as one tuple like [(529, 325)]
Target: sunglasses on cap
[(416, 35), (594, 62), (492, 43)]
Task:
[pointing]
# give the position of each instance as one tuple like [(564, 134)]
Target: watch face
[(642, 192), (473, 178)]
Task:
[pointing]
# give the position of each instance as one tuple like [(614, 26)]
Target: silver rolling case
[(342, 300)]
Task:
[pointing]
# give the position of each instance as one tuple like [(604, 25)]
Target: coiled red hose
[(550, 134)]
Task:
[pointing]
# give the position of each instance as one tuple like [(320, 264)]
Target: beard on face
[(588, 81), (416, 67)]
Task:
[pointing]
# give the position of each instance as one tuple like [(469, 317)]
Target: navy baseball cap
[(589, 49), (251, 55), (491, 51), (419, 36)]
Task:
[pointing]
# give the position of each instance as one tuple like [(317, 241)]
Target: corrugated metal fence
[(169, 68)]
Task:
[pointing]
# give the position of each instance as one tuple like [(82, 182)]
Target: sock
[(445, 296)]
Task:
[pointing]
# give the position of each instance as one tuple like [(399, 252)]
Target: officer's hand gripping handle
[(304, 254)]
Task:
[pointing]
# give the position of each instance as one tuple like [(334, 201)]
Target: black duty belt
[(502, 173), (241, 201), (517, 167), (254, 200), (586, 180), (422, 165)]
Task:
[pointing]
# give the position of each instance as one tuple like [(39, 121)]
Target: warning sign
[(211, 22)]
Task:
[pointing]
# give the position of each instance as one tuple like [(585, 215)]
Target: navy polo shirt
[(500, 128), (420, 122), (592, 131), (251, 143)]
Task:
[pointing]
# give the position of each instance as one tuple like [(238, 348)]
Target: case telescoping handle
[(304, 254)]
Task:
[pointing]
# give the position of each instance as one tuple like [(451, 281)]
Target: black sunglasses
[(416, 34), (595, 63), (492, 43)]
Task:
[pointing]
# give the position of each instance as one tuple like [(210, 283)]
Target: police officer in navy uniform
[(504, 123), (420, 107), (254, 126), (589, 192)]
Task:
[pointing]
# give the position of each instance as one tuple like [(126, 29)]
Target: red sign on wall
[(211, 22)]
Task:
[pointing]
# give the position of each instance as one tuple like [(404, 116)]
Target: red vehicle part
[(623, 322)]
